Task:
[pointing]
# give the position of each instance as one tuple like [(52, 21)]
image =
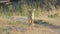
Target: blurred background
[(13, 16), (49, 8)]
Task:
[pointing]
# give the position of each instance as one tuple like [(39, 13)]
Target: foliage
[(21, 7)]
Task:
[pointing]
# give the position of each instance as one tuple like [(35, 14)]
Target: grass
[(46, 24), (8, 26)]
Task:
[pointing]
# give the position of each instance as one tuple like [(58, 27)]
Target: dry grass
[(8, 26)]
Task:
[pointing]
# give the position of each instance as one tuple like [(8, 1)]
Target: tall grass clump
[(20, 8)]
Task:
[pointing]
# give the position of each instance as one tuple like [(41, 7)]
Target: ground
[(10, 26)]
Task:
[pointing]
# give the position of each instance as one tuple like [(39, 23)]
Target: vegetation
[(12, 11), (21, 7)]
